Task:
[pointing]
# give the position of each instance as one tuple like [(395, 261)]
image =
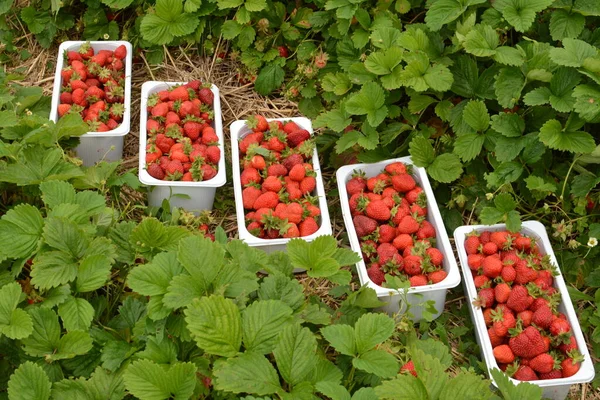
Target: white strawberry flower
[(592, 242)]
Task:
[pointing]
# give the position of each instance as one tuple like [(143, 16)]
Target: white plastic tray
[(555, 389), (96, 146), (416, 296), (192, 196), (238, 130)]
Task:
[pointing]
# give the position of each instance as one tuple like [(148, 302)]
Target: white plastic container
[(97, 146), (555, 389), (192, 196), (238, 130), (415, 296)]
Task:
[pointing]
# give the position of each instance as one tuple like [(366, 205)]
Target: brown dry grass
[(238, 102)]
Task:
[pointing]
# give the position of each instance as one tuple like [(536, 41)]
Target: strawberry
[(267, 200), (418, 280), (490, 248), (492, 266), (542, 317), (255, 228), (569, 367), (258, 162), (376, 274), (378, 210), (120, 52), (502, 292), (308, 184), (525, 273), (426, 230), (554, 374), (209, 136), (504, 354), (559, 327), (395, 168), (257, 123), (409, 367), (250, 175), (356, 185), (292, 160), (523, 243), (308, 227), (66, 98), (192, 129), (296, 138), (174, 170), (495, 340), (474, 261), (160, 110), (179, 93), (436, 256), (155, 171), (408, 225), (63, 109), (528, 343), (481, 281), (86, 51), (485, 298), (402, 241), (297, 173), (276, 170), (206, 96), (525, 317), (403, 183), (508, 274), (249, 196), (387, 233), (503, 321), (272, 184), (413, 195), (472, 244), (437, 276), (568, 346), (525, 373), (292, 231), (413, 264), (501, 239), (78, 96), (519, 299), (543, 363)]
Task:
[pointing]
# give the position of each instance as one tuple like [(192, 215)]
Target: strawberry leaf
[(247, 373), (566, 25), (553, 135), (510, 391), (402, 387), (521, 14), (269, 78), (168, 22), (377, 362), (261, 322), (14, 322), (370, 101), (147, 380), (295, 353), (22, 228), (29, 381), (371, 330), (76, 314)]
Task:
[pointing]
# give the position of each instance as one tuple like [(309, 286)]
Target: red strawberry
[(474, 261), (523, 243), (481, 281), (525, 273), (403, 183), (492, 266), (387, 233), (525, 373), (297, 173), (490, 248), (66, 98), (502, 292), (272, 184), (155, 171), (63, 109), (542, 317), (495, 340), (356, 185), (250, 175), (402, 241), (160, 110), (426, 230), (436, 256), (257, 123), (525, 317), (503, 321), (308, 184), (86, 51), (504, 354), (292, 160), (295, 138), (179, 93), (559, 326), (276, 170), (508, 274), (437, 276), (519, 299), (395, 168), (528, 343), (258, 162), (206, 96), (120, 52), (569, 367), (308, 227), (174, 169), (413, 264), (255, 228), (209, 136), (418, 280), (376, 274), (192, 129), (378, 210), (502, 239), (249, 196), (78, 97), (292, 231), (554, 374), (267, 200), (543, 363), (290, 126), (472, 244), (409, 367), (485, 298), (408, 225), (413, 195), (569, 346)]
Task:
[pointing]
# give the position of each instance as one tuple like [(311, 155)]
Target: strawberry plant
[(278, 179)]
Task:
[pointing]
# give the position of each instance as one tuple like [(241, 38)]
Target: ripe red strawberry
[(559, 326), (502, 292), (257, 123), (403, 183), (472, 244), (258, 162), (192, 129), (174, 169), (503, 320), (86, 51), (160, 110), (290, 126), (542, 317), (481, 281), (63, 109), (569, 367), (209, 136), (418, 280), (474, 261), (206, 96), (485, 298), (250, 175), (308, 227), (276, 170), (292, 231), (387, 233), (78, 96), (179, 93), (525, 273), (267, 200), (543, 363), (554, 374), (492, 266), (66, 98), (120, 52), (395, 168), (437, 276), (155, 171), (376, 274), (525, 317), (504, 354), (508, 274), (495, 340), (413, 195), (385, 253), (408, 225), (519, 299), (523, 243), (296, 138), (297, 173), (569, 346), (490, 248), (402, 241), (213, 154), (528, 343), (525, 373), (378, 210), (426, 230), (409, 367), (501, 239), (308, 184), (413, 264), (436, 256), (272, 184), (249, 196), (356, 185), (292, 160)]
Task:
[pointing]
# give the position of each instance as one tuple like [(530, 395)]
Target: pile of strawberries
[(93, 86), (531, 340), (278, 180), (182, 144), (389, 214)]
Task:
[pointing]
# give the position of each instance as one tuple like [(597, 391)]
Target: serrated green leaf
[(587, 102), (403, 387), (509, 391), (445, 168), (508, 124), (201, 257), (14, 323), (53, 268), (566, 25), (239, 375), (476, 115), (509, 56), (368, 101), (467, 147), (506, 172), (255, 5), (279, 287), (505, 202), (419, 103), (76, 314), (153, 279), (72, 344), (22, 228), (421, 151), (508, 86), (521, 14), (335, 119), (341, 337), (538, 96), (573, 53), (182, 290), (269, 78), (148, 380), (378, 362), (168, 22), (383, 62), (466, 386), (338, 83), (442, 12), (93, 272), (508, 148), (430, 371), (28, 382), (161, 351), (230, 29), (261, 322), (481, 41), (555, 137), (538, 184), (490, 215), (333, 390), (371, 330), (295, 353), (215, 324), (151, 237)]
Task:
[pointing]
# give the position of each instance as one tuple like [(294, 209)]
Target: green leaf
[(28, 382), (22, 228), (509, 391), (149, 381), (430, 371), (370, 101), (521, 14), (151, 237), (469, 146), (153, 279), (403, 387), (508, 86), (555, 137), (378, 362), (508, 124), (76, 314), (466, 386), (269, 78), (505, 202), (445, 168), (509, 56), (215, 324), (490, 215), (371, 330), (168, 22), (14, 323), (255, 5), (538, 96), (161, 351), (261, 323), (383, 62), (333, 390), (539, 185), (53, 268), (566, 25), (295, 353), (117, 4), (442, 12), (224, 4), (341, 337), (93, 273), (507, 149), (72, 344), (587, 102), (46, 333), (476, 115), (481, 41), (247, 373), (421, 151), (338, 83), (230, 29), (573, 53), (201, 257)]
